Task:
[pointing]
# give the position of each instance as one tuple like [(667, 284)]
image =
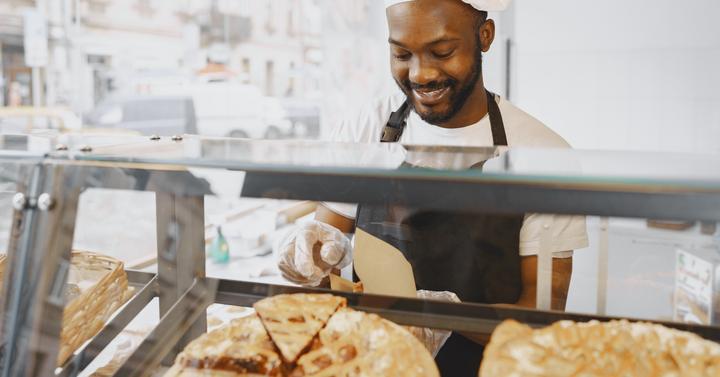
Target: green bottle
[(219, 249)]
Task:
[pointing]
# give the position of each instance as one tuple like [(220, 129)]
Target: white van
[(238, 110)]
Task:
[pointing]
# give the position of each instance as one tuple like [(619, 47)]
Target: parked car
[(149, 115), (224, 109), (304, 117)]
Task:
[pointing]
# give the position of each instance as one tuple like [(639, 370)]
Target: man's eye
[(443, 54), (402, 56)]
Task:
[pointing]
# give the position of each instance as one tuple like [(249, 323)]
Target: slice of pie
[(241, 349), (293, 321), (359, 344), (617, 348)]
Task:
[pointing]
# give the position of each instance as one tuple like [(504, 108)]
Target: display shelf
[(466, 318)]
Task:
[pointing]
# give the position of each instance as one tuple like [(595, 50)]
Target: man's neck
[(474, 109)]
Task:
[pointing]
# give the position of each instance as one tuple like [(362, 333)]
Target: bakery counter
[(179, 174)]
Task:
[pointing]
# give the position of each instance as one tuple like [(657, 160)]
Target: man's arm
[(562, 272), (328, 216)]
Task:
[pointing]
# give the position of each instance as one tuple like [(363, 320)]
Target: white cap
[(484, 5)]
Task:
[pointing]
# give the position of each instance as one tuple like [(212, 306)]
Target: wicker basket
[(103, 288), (97, 287)]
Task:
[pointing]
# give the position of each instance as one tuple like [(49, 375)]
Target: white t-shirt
[(568, 232)]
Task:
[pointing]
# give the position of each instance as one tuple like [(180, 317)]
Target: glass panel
[(562, 166), (117, 223), (649, 269)]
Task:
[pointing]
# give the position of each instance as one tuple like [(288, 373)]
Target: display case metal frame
[(20, 170), (185, 292)]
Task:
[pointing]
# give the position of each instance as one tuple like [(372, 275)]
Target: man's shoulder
[(365, 124), (524, 130), (388, 102)]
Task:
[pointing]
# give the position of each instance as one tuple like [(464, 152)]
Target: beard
[(459, 92)]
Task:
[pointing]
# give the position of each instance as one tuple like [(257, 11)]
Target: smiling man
[(436, 55), (439, 68)]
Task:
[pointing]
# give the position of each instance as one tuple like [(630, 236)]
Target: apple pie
[(306, 335)]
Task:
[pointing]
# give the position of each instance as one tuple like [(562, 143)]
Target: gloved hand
[(306, 255), (433, 339)]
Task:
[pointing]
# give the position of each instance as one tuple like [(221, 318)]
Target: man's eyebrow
[(439, 40)]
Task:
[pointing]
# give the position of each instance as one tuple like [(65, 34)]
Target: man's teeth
[(430, 93)]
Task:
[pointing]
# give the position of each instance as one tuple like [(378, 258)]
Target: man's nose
[(422, 73)]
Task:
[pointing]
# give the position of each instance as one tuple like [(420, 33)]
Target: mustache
[(431, 86)]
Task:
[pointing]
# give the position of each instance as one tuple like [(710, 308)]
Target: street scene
[(241, 68)]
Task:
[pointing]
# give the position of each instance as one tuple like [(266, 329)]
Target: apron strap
[(497, 126), (393, 130), (396, 124)]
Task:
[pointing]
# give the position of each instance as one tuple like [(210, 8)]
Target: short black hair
[(482, 16)]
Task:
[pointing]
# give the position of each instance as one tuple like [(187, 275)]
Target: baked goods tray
[(470, 318)]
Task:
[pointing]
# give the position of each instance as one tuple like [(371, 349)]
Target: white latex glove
[(433, 339), (306, 255)]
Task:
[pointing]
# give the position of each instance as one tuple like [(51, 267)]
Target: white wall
[(356, 58), (619, 74)]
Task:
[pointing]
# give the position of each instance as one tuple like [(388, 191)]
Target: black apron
[(476, 256)]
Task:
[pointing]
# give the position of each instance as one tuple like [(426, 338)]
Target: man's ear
[(487, 34)]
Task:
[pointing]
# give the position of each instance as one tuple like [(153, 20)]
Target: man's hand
[(307, 254)]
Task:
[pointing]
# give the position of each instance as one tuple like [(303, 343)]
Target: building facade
[(97, 47)]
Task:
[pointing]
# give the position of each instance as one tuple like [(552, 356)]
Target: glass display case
[(647, 247)]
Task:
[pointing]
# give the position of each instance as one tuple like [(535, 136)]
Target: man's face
[(435, 55)]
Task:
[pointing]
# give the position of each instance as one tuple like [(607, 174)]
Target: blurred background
[(242, 68), (606, 75)]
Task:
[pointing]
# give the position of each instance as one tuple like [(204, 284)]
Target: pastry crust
[(293, 321), (359, 344), (242, 348), (617, 348)]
